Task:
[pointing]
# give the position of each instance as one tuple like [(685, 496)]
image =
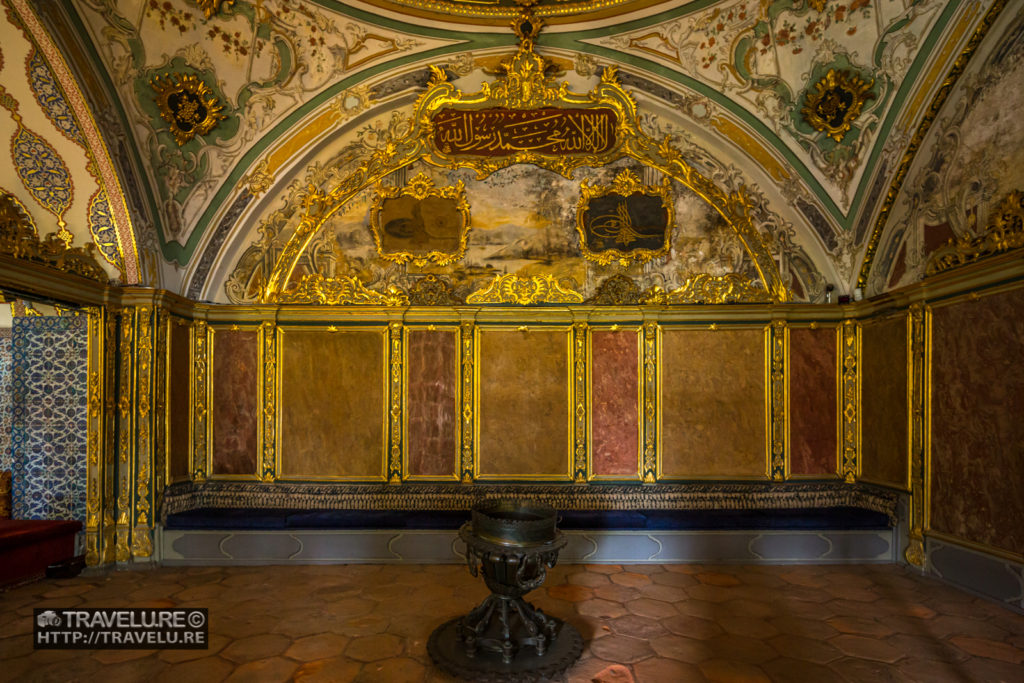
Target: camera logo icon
[(48, 618)]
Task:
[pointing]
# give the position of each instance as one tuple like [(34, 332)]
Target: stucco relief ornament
[(211, 7), (835, 102), (187, 105)]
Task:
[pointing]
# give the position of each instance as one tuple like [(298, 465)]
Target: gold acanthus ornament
[(1005, 231)]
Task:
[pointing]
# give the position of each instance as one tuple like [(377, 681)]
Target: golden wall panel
[(884, 403), (333, 388), (524, 403), (713, 414)]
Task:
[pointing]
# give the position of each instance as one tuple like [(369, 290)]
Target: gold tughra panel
[(625, 221)]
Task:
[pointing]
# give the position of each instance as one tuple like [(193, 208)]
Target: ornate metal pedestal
[(512, 543)]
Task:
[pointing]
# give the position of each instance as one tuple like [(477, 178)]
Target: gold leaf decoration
[(731, 288), (187, 104), (18, 238), (427, 220), (433, 291), (618, 290), (1005, 231), (513, 289), (835, 102), (340, 291), (618, 227), (211, 7)]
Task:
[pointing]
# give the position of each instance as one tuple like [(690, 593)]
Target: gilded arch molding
[(523, 87)]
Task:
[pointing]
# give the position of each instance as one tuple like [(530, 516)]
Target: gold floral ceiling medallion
[(625, 221), (1005, 231), (211, 7), (835, 102), (187, 105), (420, 223)]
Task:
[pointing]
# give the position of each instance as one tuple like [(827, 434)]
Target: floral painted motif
[(5, 399), (50, 417), (101, 225), (51, 99), (42, 171)]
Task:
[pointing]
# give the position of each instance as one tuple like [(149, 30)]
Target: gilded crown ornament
[(835, 102), (187, 104)]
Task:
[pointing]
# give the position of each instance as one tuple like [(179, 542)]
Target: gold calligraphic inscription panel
[(713, 403), (523, 403), (884, 432), (499, 132), (333, 403)]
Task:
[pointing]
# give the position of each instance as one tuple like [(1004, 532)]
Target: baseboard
[(976, 571), (251, 547)]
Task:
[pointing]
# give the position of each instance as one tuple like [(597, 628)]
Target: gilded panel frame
[(766, 400), (419, 188), (626, 184), (170, 322), (567, 329), (255, 328), (383, 330), (638, 330), (454, 330)]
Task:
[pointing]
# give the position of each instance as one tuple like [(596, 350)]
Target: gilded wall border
[(396, 394), (523, 87), (922, 129), (108, 529), (917, 357), (567, 330), (778, 391), (95, 462), (160, 360), (142, 533), (467, 395), (384, 334), (849, 460), (199, 466), (125, 445), (212, 332), (269, 361), (457, 466), (650, 467), (581, 400), (638, 332)]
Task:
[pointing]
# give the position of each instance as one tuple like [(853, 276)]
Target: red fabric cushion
[(28, 547)]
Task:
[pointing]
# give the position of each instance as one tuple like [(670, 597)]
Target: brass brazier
[(512, 543)]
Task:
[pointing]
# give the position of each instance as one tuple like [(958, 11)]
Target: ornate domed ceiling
[(222, 118)]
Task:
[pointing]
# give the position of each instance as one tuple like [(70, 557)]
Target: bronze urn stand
[(512, 543)]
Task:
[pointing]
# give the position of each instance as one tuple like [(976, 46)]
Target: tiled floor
[(642, 622)]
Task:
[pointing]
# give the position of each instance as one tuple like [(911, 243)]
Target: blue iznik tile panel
[(49, 387), (5, 399)]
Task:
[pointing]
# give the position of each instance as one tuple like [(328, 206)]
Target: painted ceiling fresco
[(218, 113)]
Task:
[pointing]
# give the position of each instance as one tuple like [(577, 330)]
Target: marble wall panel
[(332, 402), (5, 399), (812, 401), (432, 414), (179, 407), (523, 403), (713, 403), (236, 401), (883, 425), (977, 447), (49, 428), (614, 401)]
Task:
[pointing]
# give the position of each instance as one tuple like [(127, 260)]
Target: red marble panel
[(432, 402), (812, 401), (977, 427), (615, 421), (179, 408), (235, 411)]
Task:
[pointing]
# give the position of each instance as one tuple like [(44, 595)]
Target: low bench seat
[(28, 547)]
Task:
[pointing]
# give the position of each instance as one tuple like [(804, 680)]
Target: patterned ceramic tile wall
[(5, 399), (49, 382)]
